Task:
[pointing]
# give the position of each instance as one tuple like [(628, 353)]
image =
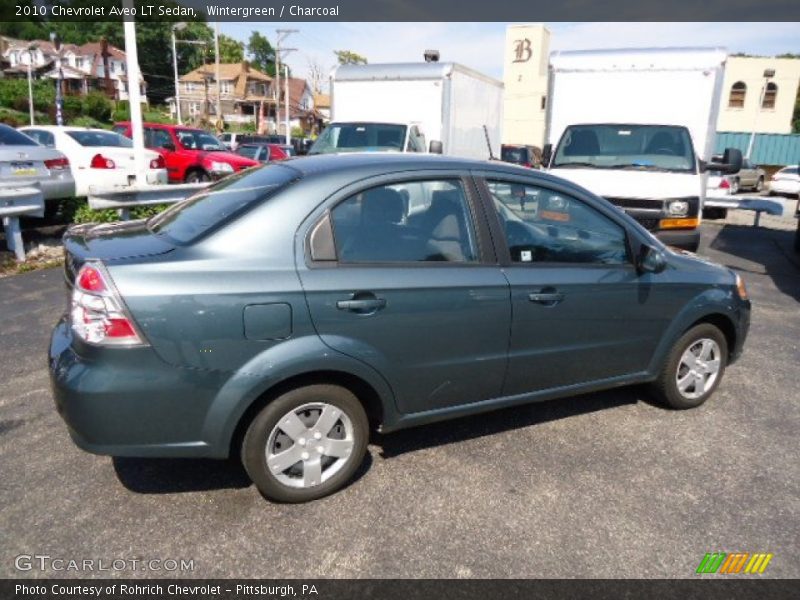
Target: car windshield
[(357, 137), (197, 215), (12, 137), (248, 151), (639, 147), (194, 139), (100, 138)]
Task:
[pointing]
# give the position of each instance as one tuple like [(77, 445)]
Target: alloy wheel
[(698, 368)]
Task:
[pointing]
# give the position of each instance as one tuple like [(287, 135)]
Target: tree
[(261, 53), (346, 57), (316, 76), (230, 50)]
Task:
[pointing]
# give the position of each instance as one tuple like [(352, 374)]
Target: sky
[(480, 45)]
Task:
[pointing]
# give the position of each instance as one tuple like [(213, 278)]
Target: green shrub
[(97, 106), (71, 107), (84, 214)]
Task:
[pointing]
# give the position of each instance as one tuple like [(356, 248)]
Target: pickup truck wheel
[(306, 444), (197, 176), (694, 368)]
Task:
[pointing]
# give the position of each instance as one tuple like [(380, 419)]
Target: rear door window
[(190, 219), (408, 222), (45, 138)]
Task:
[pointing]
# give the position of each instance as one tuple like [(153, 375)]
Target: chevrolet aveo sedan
[(284, 312)]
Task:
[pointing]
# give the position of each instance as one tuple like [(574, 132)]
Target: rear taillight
[(97, 314), (57, 164), (158, 163), (724, 184), (101, 162)]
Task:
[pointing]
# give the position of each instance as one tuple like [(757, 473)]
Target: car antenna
[(488, 143)]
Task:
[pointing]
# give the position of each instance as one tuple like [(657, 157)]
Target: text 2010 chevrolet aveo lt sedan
[(285, 311)]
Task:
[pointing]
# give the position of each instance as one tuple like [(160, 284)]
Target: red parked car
[(263, 153), (192, 155)]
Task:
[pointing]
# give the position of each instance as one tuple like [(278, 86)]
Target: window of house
[(737, 95), (193, 108), (406, 222), (226, 87), (543, 225), (770, 95)]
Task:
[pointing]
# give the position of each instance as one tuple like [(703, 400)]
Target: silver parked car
[(750, 176), (24, 162)]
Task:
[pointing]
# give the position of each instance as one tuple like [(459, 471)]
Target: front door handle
[(362, 305), (548, 297)]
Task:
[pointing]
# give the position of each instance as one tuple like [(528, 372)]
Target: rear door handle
[(361, 305), (547, 298)]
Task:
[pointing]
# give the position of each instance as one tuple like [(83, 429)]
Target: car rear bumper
[(55, 188), (128, 402)]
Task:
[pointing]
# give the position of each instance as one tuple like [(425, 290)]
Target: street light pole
[(216, 75), (768, 74)]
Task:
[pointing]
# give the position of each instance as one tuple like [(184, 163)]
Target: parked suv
[(192, 155), (283, 312)]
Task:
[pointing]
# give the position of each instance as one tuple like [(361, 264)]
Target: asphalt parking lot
[(602, 485)]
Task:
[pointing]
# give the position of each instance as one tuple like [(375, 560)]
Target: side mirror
[(650, 260), (731, 162), (436, 147), (547, 154)]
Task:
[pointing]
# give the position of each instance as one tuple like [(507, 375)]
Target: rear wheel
[(694, 367), (306, 444), (735, 185)]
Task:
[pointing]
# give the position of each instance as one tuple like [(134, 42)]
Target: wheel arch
[(364, 391), (722, 322), (193, 169)]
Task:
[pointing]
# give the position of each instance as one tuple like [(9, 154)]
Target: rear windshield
[(100, 138), (248, 151), (190, 219), (12, 137), (515, 155)]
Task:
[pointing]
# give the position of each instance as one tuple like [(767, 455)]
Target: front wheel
[(197, 177), (306, 444), (694, 367)]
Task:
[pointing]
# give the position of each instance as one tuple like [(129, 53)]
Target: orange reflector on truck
[(679, 223)]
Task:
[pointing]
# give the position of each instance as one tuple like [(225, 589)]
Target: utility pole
[(286, 83), (218, 125), (175, 28), (134, 96), (31, 49), (282, 34)]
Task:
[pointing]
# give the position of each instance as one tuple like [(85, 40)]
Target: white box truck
[(637, 127), (413, 107)]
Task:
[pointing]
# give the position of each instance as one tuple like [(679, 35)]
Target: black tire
[(254, 445), (197, 176), (797, 237), (666, 386)]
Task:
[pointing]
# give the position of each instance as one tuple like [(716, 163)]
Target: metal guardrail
[(756, 204), (14, 203), (123, 199)]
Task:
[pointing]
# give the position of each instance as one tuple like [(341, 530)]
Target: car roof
[(66, 128), (396, 161)]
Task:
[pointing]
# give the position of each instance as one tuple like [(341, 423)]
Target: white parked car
[(99, 158), (786, 182)]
